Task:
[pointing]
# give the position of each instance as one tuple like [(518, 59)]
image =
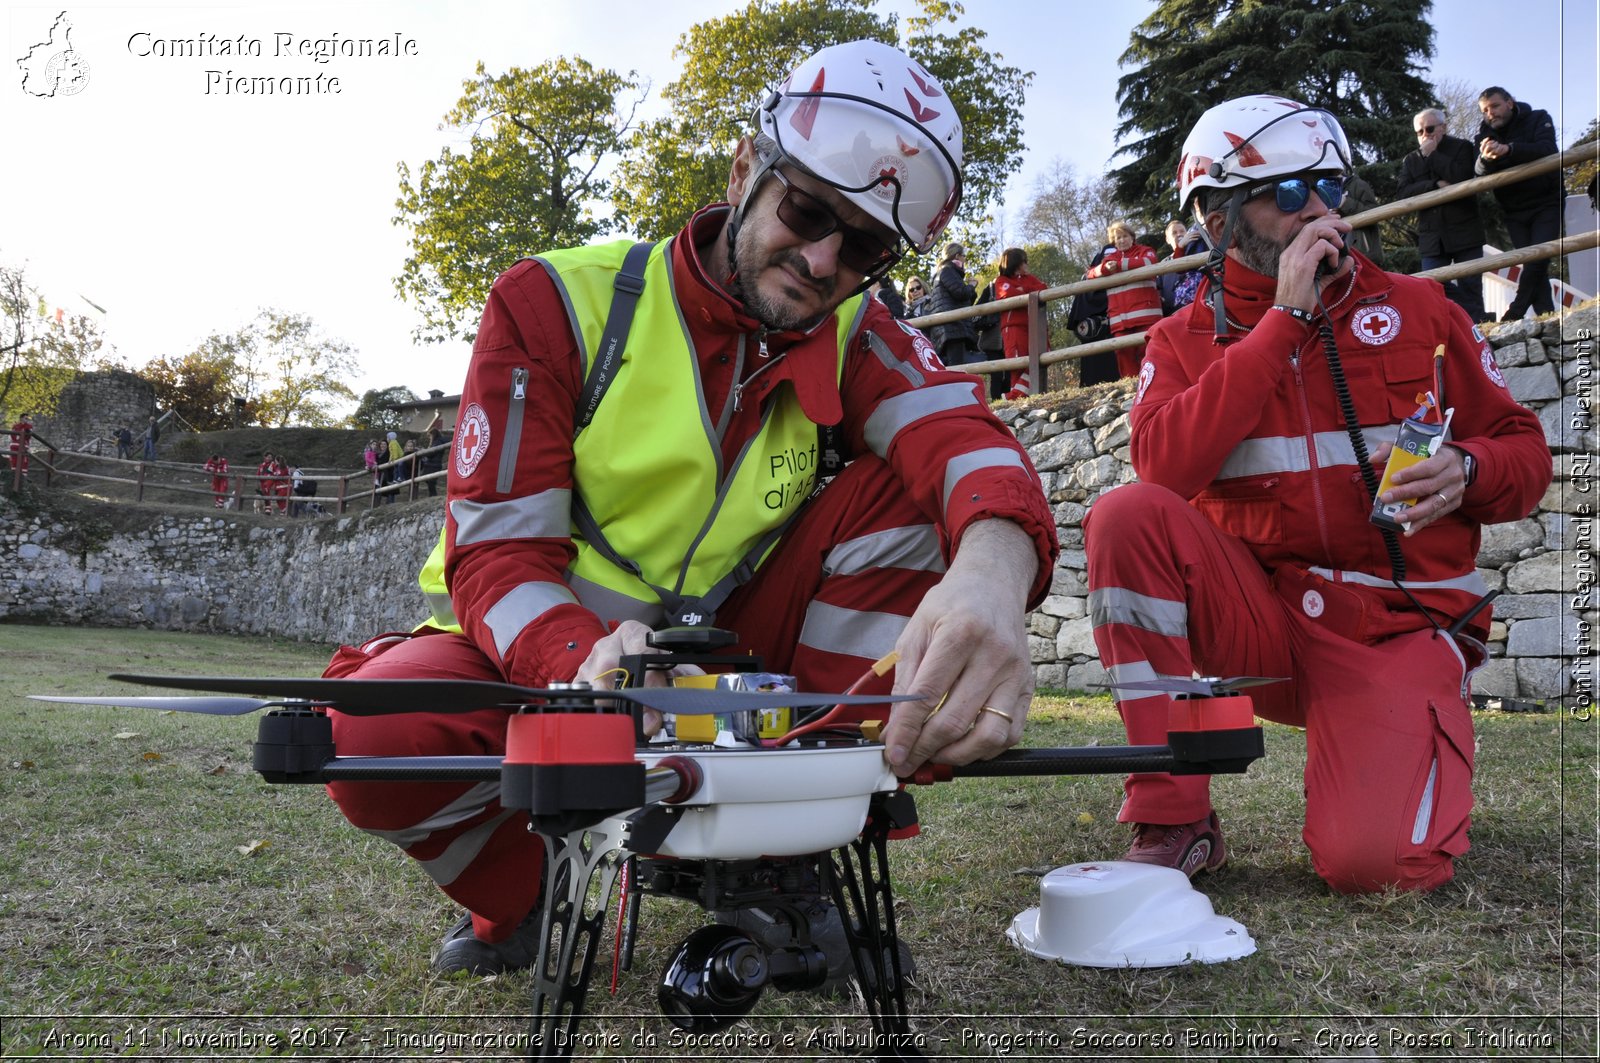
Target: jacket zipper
[(508, 449), (767, 361), (1311, 453)]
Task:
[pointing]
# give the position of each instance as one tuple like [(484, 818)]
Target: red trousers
[(830, 600), (1388, 778)]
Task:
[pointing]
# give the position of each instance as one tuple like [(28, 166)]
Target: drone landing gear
[(582, 868), (857, 877)]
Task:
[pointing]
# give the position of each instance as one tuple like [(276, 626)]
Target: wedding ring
[(1443, 501), (1006, 716)]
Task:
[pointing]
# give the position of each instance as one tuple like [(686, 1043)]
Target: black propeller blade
[(209, 706), (381, 697), (1208, 686)]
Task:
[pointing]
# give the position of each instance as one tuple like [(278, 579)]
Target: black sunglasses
[(1293, 192), (810, 219), (1426, 131)]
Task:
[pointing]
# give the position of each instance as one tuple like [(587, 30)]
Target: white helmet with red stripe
[(1256, 138), (873, 123)]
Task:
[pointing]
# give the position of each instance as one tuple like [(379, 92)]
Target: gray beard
[(1254, 250), (775, 315)]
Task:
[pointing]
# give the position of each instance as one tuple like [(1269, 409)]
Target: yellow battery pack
[(1417, 441)]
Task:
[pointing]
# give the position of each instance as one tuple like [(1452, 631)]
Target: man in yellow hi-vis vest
[(576, 525)]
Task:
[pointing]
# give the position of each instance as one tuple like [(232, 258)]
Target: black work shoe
[(462, 950), (774, 931)]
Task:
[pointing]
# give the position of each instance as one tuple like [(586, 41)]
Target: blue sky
[(180, 212)]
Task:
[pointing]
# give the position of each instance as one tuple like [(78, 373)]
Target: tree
[(527, 180), (41, 351), (1070, 214), (200, 386), (374, 412), (308, 370), (1579, 179), (680, 163), (1358, 59)]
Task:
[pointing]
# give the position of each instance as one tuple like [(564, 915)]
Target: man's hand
[(1429, 141), (1318, 244), (966, 652), (1437, 483), (1493, 149), (602, 665)]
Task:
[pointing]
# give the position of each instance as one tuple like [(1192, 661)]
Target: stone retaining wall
[(348, 579)]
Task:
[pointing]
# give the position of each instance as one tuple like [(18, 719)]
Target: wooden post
[(1037, 333)]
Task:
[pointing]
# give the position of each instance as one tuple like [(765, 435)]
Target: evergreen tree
[(1359, 59)]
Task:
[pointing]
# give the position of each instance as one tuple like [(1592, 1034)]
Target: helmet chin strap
[(1217, 259)]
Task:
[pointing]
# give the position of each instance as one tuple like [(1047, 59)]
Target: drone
[(747, 819)]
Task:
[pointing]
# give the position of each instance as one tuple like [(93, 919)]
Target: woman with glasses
[(1264, 415)]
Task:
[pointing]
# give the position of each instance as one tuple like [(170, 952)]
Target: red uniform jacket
[(525, 327), (1132, 307), (1252, 433), (1014, 323)]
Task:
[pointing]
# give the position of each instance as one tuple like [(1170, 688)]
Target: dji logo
[(692, 619)]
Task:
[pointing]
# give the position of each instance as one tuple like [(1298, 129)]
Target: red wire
[(622, 915)]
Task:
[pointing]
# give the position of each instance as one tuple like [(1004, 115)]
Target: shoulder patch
[(1147, 373), (1491, 368), (922, 348), (472, 440)]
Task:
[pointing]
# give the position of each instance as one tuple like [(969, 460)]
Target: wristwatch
[(1469, 466)]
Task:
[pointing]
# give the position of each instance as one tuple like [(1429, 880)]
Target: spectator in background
[(296, 483), (916, 292), (1450, 232), (957, 341), (217, 466), (1131, 307), (152, 434), (280, 484), (1511, 134), (395, 453), (433, 461), (1177, 289), (1087, 319), (1359, 197), (266, 483), (125, 442), (884, 291), (1015, 279), (21, 433)]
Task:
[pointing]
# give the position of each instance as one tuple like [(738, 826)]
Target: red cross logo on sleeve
[(472, 440)]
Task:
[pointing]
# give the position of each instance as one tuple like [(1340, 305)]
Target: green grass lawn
[(158, 900)]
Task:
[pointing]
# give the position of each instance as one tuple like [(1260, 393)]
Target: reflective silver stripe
[(1472, 582), (1118, 605), (914, 547), (520, 607), (463, 808), (1132, 672), (1419, 829), (442, 608), (886, 356), (448, 865), (546, 515), (1151, 314), (609, 605), (894, 414), (853, 632), (987, 458), (1282, 454)]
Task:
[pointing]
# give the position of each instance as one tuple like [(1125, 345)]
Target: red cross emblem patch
[(472, 439), (1375, 324)]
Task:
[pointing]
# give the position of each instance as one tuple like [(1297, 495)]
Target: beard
[(774, 310), (1255, 250)]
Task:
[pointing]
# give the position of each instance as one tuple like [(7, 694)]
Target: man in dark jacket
[(1450, 232), (1513, 133), (957, 341)]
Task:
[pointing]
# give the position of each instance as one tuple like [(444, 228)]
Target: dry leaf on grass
[(152, 755), (123, 736), (253, 848)]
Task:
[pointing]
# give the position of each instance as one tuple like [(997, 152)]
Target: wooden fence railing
[(1039, 356), (164, 479)]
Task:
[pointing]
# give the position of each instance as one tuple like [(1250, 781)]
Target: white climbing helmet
[(1255, 138), (873, 123)]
